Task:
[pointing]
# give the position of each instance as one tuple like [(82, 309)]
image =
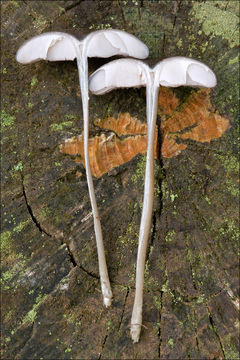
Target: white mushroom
[(173, 72), (55, 46)]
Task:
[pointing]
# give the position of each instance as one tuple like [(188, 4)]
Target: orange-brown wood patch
[(125, 124), (107, 152), (195, 119)]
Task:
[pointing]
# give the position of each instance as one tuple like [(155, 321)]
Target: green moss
[(44, 213), (6, 120), (100, 26), (15, 3), (62, 126), (173, 197), (232, 188), (230, 229), (229, 162), (128, 240), (231, 166), (157, 302), (33, 81), (139, 175), (18, 167), (170, 236), (9, 315), (31, 315), (233, 61), (149, 282), (30, 105), (5, 241), (231, 352), (171, 342), (216, 22), (21, 226), (6, 236), (109, 324), (68, 349), (39, 22), (130, 235), (18, 268), (179, 43)]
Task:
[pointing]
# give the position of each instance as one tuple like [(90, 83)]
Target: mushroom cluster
[(121, 73)]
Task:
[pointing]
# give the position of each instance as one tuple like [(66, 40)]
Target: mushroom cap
[(171, 72), (106, 43), (50, 46), (117, 74), (59, 46), (182, 71)]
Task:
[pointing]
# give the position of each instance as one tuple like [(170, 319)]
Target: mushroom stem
[(152, 98), (104, 278)]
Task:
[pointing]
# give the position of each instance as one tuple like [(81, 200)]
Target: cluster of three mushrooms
[(120, 73)]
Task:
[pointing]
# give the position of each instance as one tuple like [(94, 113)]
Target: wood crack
[(195, 329), (124, 305), (103, 344), (214, 329), (164, 43), (71, 256), (159, 334), (72, 6), (30, 211), (89, 273)]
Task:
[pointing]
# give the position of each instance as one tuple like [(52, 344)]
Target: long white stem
[(104, 278), (152, 97)]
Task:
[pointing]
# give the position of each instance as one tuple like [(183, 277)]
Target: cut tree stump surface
[(51, 300)]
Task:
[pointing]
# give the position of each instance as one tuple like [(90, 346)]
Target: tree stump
[(51, 300)]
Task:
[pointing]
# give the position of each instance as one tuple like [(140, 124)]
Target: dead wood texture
[(51, 300)]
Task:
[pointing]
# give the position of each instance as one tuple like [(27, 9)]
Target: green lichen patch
[(233, 61), (7, 239), (150, 283), (31, 315), (230, 230), (229, 162), (171, 342), (100, 26), (7, 120), (231, 352), (5, 242), (17, 268), (217, 22), (33, 81), (62, 126), (170, 236), (139, 174), (231, 166)]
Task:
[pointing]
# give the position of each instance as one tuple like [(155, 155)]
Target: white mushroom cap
[(182, 71), (50, 46), (117, 74), (59, 46), (171, 72), (106, 43)]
